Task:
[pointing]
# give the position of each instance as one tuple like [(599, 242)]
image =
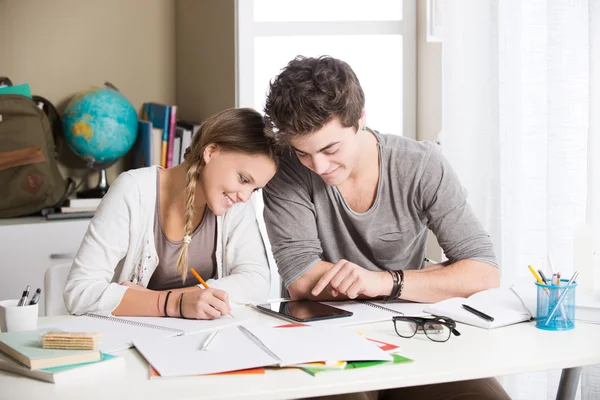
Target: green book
[(26, 347), (398, 359), (22, 89), (108, 365)]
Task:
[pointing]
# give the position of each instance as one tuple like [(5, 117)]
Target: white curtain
[(521, 126)]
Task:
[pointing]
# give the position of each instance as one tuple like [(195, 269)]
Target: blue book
[(143, 145), (22, 89), (160, 117)]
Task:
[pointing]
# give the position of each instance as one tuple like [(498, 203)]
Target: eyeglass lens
[(436, 331), (404, 328)]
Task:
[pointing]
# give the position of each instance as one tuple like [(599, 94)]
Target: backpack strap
[(4, 81), (55, 121)]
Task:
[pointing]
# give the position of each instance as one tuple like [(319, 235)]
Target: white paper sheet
[(313, 344), (230, 350)]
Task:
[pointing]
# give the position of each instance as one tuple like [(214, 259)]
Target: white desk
[(477, 353)]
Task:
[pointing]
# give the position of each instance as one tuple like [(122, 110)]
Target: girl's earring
[(364, 127)]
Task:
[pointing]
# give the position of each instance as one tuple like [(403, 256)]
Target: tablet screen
[(303, 310)]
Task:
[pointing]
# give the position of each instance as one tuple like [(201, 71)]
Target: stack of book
[(21, 353), (75, 208), (81, 206), (162, 139)]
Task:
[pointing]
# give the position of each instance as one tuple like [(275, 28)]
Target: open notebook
[(503, 304), (365, 312), (118, 333), (252, 346)]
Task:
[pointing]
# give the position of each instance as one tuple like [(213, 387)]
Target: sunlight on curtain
[(516, 117)]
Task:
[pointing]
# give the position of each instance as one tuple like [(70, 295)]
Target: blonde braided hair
[(240, 130), (190, 196)]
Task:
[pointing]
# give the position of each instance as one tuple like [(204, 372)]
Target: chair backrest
[(54, 285)]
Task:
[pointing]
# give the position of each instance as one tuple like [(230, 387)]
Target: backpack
[(30, 181)]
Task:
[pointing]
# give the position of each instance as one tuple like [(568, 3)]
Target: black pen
[(23, 301), (36, 297), (478, 313)]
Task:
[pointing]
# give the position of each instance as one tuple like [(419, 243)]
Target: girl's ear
[(209, 152)]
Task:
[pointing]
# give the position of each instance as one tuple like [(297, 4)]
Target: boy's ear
[(362, 122)]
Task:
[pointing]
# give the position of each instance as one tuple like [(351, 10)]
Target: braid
[(190, 193)]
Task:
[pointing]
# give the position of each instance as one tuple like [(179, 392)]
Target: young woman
[(155, 224)]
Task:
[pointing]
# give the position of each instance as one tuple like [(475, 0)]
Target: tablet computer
[(303, 310)]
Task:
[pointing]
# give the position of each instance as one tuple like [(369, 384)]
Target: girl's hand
[(205, 304)]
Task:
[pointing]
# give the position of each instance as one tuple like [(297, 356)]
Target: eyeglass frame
[(421, 321)]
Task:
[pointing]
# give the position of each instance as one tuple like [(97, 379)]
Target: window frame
[(247, 29)]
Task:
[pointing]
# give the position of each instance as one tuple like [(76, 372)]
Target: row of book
[(162, 139)]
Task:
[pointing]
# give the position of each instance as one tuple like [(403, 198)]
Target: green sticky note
[(398, 359)]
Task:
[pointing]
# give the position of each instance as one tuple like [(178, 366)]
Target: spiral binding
[(136, 323), (368, 303)]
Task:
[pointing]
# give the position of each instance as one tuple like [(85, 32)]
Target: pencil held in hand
[(197, 275)]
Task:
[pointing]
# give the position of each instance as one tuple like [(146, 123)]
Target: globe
[(100, 126)]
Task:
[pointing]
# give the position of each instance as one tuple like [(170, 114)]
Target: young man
[(348, 211)]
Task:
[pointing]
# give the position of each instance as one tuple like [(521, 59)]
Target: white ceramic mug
[(17, 319)]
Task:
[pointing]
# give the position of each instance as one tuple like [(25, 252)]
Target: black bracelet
[(394, 295), (180, 303), (401, 285), (394, 288), (166, 302)]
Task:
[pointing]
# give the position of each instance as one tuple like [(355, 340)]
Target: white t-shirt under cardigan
[(119, 246)]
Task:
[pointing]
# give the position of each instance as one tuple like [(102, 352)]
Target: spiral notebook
[(118, 333), (253, 345), (365, 312)]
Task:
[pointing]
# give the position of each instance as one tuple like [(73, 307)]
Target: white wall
[(61, 47)]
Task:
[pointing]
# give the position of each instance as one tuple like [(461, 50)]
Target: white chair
[(54, 285)]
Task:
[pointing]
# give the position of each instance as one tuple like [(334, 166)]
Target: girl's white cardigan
[(119, 246)]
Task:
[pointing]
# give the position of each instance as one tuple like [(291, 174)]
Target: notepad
[(365, 312), (118, 333), (307, 344), (181, 356), (234, 349), (503, 304)]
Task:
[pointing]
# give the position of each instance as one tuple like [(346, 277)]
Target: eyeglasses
[(436, 328)]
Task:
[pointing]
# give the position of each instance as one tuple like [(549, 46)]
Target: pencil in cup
[(197, 275), (561, 297), (542, 280)]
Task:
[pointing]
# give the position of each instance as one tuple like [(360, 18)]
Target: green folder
[(22, 89), (398, 359)]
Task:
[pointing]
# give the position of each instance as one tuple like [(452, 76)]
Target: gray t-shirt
[(309, 221), (201, 252)]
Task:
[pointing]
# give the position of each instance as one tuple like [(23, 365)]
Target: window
[(377, 38)]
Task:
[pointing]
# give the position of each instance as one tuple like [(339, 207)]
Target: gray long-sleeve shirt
[(309, 221)]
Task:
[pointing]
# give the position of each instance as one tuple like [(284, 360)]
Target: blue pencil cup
[(556, 306)]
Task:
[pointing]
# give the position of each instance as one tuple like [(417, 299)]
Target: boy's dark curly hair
[(309, 93)]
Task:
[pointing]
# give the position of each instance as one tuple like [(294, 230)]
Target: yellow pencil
[(197, 275), (538, 278)]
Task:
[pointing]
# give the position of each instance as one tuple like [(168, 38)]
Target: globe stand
[(99, 191)]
